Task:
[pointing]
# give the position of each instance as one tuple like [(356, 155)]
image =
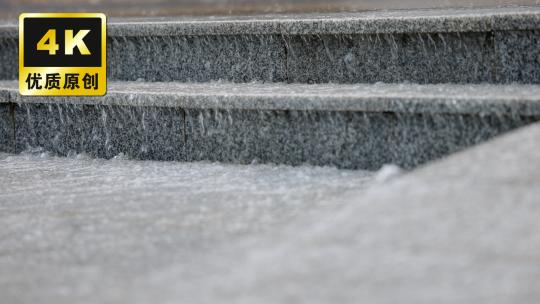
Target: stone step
[(348, 126), (490, 45), (207, 233)]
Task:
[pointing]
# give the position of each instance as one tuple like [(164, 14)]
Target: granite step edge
[(513, 99), (370, 22), (323, 125)]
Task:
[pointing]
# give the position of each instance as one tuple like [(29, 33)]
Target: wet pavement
[(463, 229)]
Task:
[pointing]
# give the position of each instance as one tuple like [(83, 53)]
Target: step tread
[(445, 98), (397, 21)]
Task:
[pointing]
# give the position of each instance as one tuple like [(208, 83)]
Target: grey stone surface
[(80, 230), (9, 58), (498, 45), (372, 22), (103, 131), (369, 22), (482, 99), (6, 127), (462, 230), (197, 58), (344, 139), (12, 9), (516, 67), (459, 57), (346, 126), (394, 58)]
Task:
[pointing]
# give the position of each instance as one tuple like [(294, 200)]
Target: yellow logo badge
[(62, 54)]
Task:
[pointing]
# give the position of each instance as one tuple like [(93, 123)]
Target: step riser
[(9, 58), (7, 127), (344, 139), (470, 57)]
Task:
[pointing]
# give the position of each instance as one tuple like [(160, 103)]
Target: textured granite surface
[(426, 46), (462, 230), (9, 58), (460, 57), (197, 58), (523, 100), (346, 126), (6, 127), (343, 139), (352, 140), (418, 58), (103, 131), (515, 67), (372, 22), (398, 21), (479, 57), (113, 8)]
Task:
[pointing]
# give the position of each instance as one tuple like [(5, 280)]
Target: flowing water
[(76, 225)]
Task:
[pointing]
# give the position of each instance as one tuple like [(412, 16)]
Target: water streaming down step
[(406, 136), (212, 170), (292, 51), (437, 46)]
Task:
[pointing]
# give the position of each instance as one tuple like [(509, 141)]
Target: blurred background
[(12, 8)]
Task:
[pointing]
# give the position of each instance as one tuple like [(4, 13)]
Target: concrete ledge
[(338, 125)]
